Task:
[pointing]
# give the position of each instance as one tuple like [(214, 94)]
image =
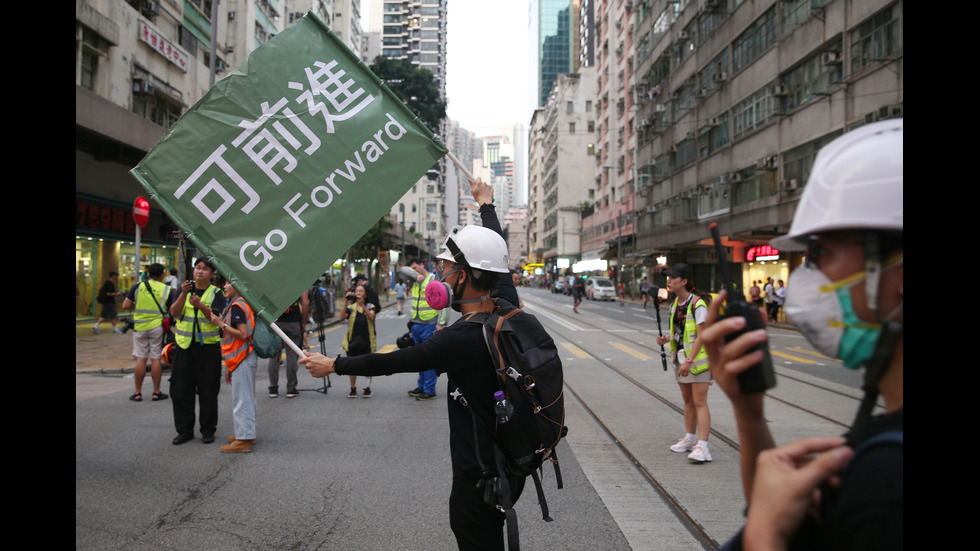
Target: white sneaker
[(700, 454), (683, 445)]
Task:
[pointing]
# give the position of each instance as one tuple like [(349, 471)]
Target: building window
[(588, 106), (684, 99), (713, 137), (814, 76), (713, 15), (713, 199), (571, 128), (755, 185), (877, 37), (569, 107), (157, 108), (687, 153), (714, 74), (798, 161), (753, 112), (92, 48), (755, 40)]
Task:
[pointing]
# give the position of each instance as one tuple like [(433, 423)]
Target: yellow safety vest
[(421, 311), (147, 315), (700, 364), (206, 332), (355, 310)]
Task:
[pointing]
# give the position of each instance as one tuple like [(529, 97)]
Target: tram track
[(655, 351)]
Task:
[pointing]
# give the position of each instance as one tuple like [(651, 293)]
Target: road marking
[(387, 348), (578, 352), (794, 358), (632, 352), (558, 320), (810, 352)]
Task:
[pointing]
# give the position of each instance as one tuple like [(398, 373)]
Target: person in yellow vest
[(360, 338), (241, 362), (426, 320), (196, 366), (151, 299), (687, 314)]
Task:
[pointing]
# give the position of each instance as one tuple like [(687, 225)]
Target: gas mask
[(824, 312), (440, 294)]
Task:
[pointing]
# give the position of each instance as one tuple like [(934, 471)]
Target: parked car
[(558, 287), (600, 288)]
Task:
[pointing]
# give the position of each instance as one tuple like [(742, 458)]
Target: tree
[(415, 86), (370, 245)]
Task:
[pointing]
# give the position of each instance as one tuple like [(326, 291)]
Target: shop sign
[(761, 253), (103, 218), (162, 46)]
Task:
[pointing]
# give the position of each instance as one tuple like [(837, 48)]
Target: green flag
[(286, 162)]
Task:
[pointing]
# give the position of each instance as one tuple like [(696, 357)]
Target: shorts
[(703, 377), (148, 344), (108, 310)]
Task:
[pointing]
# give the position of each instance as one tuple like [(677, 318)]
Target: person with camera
[(196, 369), (360, 338), (151, 299), (847, 299)]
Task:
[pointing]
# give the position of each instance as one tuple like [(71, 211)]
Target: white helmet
[(856, 183), (477, 247)]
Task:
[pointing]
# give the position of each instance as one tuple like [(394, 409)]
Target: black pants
[(196, 370), (476, 525)]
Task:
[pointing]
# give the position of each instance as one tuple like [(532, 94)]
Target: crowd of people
[(823, 492)]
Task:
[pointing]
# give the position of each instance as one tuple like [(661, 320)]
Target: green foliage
[(416, 86)]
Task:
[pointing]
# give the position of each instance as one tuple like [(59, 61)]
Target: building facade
[(561, 169), (139, 65), (734, 99)]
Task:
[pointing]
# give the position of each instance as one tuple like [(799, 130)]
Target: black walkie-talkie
[(760, 377)]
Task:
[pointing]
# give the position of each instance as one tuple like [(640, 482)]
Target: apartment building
[(733, 99)]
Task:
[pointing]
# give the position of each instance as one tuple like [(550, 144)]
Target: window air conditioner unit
[(660, 108), (830, 58), (230, 48), (780, 90), (703, 93), (651, 209), (790, 185), (150, 9), (736, 177), (644, 122), (720, 76), (683, 35), (231, 15)]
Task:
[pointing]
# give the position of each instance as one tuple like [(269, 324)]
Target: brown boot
[(238, 446)]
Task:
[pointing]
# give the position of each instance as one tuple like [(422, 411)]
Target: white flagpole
[(287, 340)]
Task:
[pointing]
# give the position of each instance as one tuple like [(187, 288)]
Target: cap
[(681, 270)]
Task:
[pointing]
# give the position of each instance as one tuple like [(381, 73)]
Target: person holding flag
[(475, 524)]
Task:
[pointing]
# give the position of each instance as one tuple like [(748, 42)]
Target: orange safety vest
[(235, 350)]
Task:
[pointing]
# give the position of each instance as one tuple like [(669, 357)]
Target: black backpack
[(530, 373)]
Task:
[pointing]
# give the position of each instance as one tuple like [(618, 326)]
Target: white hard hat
[(855, 184), (477, 247)]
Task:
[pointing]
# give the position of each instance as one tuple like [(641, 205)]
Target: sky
[(487, 64)]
